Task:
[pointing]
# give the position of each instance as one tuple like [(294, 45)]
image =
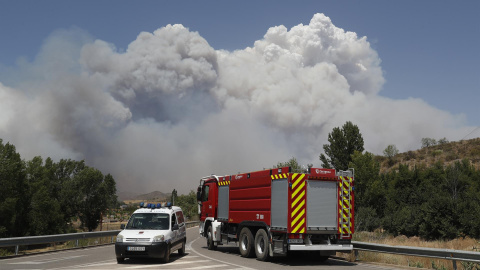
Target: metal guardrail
[(45, 239), (447, 254)]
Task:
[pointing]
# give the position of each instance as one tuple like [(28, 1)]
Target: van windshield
[(149, 221)]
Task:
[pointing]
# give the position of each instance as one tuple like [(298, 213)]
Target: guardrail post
[(76, 243), (356, 254), (16, 250), (454, 264)]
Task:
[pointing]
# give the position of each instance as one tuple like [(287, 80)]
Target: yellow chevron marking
[(300, 177), (302, 213), (298, 208), (298, 198), (298, 189), (298, 226)]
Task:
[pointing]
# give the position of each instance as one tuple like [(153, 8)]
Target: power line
[(471, 132)]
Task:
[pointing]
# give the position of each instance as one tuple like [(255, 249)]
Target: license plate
[(295, 241), (136, 248)]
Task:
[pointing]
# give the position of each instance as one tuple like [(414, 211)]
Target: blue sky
[(429, 49)]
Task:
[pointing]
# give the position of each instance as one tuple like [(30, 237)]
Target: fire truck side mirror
[(199, 193)]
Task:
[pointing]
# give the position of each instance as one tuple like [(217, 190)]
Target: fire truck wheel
[(210, 244), (246, 243), (323, 258), (261, 245)]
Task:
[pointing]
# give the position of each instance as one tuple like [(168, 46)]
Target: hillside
[(152, 196), (446, 153)]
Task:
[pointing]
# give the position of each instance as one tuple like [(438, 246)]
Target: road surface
[(197, 257)]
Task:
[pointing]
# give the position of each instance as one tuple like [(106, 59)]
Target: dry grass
[(447, 154), (379, 237)]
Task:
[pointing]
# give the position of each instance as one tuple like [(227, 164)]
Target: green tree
[(391, 151), (427, 142), (96, 196), (293, 164), (342, 144), (66, 188), (369, 191), (14, 199), (189, 205), (44, 213)]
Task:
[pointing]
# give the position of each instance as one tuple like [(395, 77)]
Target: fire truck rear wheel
[(261, 245), (210, 243), (246, 243)]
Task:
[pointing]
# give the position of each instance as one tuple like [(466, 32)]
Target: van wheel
[(210, 244), (120, 260), (181, 251), (246, 243), (261, 245), (166, 257)]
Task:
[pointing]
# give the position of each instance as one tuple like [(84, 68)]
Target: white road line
[(94, 264), (86, 265), (168, 264), (47, 260), (240, 266), (206, 266)]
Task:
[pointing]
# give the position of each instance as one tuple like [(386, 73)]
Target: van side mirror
[(122, 226), (175, 227)]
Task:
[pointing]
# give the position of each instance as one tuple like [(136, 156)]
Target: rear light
[(295, 236)]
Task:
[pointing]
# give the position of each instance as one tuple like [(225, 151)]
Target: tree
[(369, 191), (293, 163), (189, 205), (391, 151), (96, 194), (14, 198), (427, 142), (443, 141), (343, 143)]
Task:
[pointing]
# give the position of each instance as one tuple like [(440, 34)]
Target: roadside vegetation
[(42, 197)]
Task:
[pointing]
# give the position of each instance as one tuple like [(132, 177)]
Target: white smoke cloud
[(171, 109)]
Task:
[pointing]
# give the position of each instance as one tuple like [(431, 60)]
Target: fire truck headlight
[(119, 238), (158, 238)]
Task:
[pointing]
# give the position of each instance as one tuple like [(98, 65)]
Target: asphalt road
[(197, 257)]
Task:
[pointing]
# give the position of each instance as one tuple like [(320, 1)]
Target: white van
[(153, 231)]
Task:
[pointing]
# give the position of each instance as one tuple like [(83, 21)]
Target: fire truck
[(273, 212)]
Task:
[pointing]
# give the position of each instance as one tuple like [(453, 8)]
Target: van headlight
[(158, 238), (119, 238)]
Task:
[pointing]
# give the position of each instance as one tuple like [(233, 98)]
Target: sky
[(162, 93)]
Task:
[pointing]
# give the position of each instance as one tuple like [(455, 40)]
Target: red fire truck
[(273, 212)]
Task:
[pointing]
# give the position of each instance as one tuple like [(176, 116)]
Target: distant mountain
[(126, 195), (154, 196)]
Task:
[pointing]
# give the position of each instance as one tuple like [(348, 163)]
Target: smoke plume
[(171, 109)]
